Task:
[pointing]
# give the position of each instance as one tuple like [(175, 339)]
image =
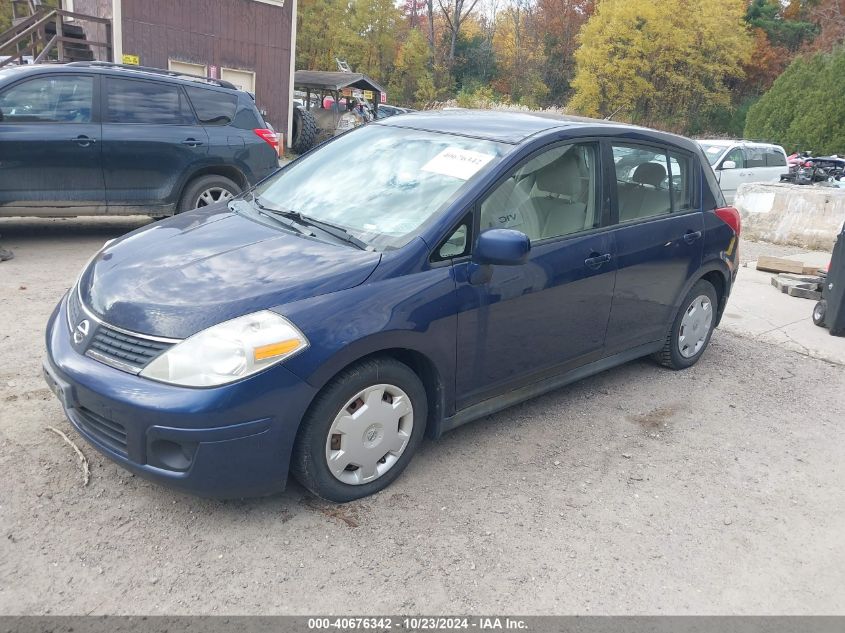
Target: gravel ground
[(715, 490)]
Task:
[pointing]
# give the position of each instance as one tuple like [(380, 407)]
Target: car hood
[(179, 276)]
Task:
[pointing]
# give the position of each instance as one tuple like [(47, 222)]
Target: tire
[(322, 437), (304, 131), (205, 190), (695, 321), (819, 312)]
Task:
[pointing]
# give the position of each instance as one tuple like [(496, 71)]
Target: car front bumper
[(226, 442)]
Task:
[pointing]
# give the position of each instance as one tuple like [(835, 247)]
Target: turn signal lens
[(276, 349)]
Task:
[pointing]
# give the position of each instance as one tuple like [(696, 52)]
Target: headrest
[(650, 174), (561, 177)]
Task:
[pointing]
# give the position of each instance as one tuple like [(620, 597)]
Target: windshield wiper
[(327, 227), (274, 215)]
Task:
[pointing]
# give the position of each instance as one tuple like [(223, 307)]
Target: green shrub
[(805, 107)]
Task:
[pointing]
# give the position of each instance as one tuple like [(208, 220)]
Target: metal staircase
[(42, 34)]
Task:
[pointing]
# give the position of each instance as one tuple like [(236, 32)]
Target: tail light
[(730, 216), (268, 136)]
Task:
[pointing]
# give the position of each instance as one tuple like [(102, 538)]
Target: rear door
[(775, 163), (658, 239), (50, 149), (150, 139)]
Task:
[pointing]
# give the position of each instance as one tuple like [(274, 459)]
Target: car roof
[(138, 72), (721, 142), (507, 126)]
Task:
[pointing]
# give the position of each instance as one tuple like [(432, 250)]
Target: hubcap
[(213, 195), (695, 326), (369, 434)]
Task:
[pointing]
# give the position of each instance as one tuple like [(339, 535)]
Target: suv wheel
[(361, 431), (207, 190), (692, 328)]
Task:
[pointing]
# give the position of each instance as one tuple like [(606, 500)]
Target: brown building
[(247, 42)]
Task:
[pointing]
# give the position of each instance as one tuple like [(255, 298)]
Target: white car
[(736, 162)]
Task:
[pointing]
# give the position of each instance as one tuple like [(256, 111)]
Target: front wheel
[(361, 431), (692, 328), (819, 312)]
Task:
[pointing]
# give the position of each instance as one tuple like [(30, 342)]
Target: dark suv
[(89, 138)]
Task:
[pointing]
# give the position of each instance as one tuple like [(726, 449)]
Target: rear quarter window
[(775, 158), (213, 107)]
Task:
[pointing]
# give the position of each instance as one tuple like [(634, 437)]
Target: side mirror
[(728, 164), (504, 247)]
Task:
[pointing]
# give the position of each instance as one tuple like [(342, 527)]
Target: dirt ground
[(715, 490)]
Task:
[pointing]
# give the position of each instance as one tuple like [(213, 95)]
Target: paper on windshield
[(457, 162)]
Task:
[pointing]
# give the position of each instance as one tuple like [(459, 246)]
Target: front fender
[(416, 312)]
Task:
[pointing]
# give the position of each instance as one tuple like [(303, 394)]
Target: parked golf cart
[(330, 103)]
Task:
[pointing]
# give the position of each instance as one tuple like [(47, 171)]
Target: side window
[(53, 99), (755, 157), (130, 101), (642, 182), (551, 195), (736, 156), (213, 107), (775, 158), (456, 246), (682, 182)]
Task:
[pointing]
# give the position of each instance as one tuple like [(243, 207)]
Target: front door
[(730, 179), (658, 238), (517, 324), (150, 139), (50, 149)]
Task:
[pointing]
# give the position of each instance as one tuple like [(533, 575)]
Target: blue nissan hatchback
[(396, 282)]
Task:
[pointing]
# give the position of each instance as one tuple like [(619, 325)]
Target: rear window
[(130, 101), (212, 106), (775, 158)]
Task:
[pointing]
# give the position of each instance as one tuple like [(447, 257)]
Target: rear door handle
[(691, 236), (83, 141), (595, 261), (191, 142)]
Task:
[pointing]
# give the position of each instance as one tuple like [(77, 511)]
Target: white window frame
[(240, 70), (204, 67)]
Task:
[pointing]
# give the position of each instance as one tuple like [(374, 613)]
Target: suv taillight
[(269, 136), (730, 216)]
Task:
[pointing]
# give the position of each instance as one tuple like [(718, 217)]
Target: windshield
[(713, 151), (380, 183)]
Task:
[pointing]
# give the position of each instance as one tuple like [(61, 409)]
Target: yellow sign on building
[(133, 60)]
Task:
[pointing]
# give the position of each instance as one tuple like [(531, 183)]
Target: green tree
[(322, 33), (412, 81), (805, 107), (660, 61), (771, 17)]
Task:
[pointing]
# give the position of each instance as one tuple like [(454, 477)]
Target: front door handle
[(596, 261), (691, 236), (83, 141), (191, 142)]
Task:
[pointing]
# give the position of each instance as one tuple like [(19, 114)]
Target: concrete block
[(795, 215), (804, 293)]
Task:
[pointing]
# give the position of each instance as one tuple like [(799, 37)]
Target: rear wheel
[(361, 431), (207, 190), (692, 328)]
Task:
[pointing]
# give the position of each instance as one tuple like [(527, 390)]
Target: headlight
[(228, 351)]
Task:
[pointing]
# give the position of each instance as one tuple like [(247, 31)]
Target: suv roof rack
[(157, 71)]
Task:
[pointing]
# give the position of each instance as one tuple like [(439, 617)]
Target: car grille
[(123, 348), (108, 432), (118, 348)]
